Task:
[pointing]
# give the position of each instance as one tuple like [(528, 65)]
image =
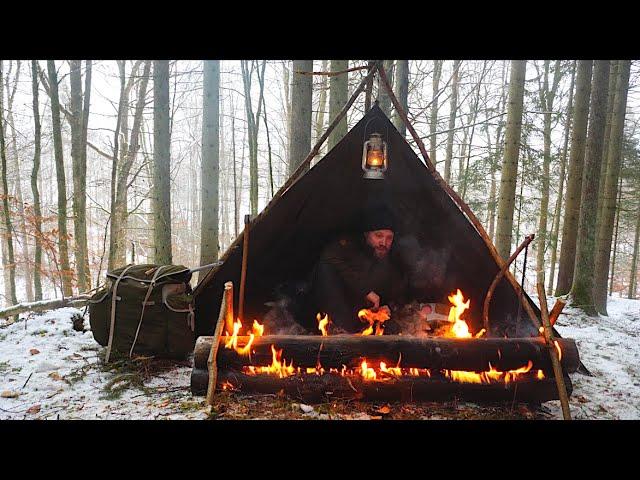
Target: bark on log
[(414, 352), (327, 387), (44, 305)]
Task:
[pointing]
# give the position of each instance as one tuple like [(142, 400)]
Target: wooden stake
[(226, 308), (243, 273), (556, 310), (454, 196), (548, 336)]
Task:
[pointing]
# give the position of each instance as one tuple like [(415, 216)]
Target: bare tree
[(162, 164), (574, 181), (584, 274), (510, 162), (210, 162), (301, 96), (610, 190), (66, 272)]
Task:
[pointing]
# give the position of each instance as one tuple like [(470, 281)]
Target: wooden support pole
[(548, 336), (226, 311), (456, 198), (556, 310), (487, 299)]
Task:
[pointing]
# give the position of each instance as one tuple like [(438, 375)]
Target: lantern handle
[(366, 126)]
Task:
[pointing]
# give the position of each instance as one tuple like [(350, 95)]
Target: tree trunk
[(21, 226), (433, 113), (510, 162), (129, 152), (322, 104), (613, 75), (495, 154), (555, 230), (162, 165), (338, 96), (633, 277), (11, 265), (614, 247), (574, 181), (547, 96), (37, 213), (452, 121), (584, 275), (66, 273), (301, 96), (610, 190), (236, 212), (79, 175), (384, 101), (210, 163), (85, 129), (402, 93)]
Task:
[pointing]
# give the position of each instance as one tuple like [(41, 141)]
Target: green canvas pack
[(144, 310)]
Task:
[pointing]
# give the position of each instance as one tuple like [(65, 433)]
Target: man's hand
[(374, 298)]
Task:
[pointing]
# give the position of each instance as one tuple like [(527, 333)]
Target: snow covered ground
[(610, 349), (48, 370)]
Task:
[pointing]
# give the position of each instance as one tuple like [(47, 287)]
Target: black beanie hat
[(377, 217)]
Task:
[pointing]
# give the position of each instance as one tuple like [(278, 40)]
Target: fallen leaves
[(34, 409), (55, 376), (34, 351), (9, 394)]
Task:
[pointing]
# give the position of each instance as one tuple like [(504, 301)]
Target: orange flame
[(322, 324), (459, 329), (374, 318), (367, 372)]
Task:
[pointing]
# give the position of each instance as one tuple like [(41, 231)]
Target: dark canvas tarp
[(287, 238)]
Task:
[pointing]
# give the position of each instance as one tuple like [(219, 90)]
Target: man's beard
[(380, 253)]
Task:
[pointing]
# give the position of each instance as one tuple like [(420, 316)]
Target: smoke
[(281, 317), (426, 267)]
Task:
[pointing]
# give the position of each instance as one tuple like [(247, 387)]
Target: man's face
[(380, 241)]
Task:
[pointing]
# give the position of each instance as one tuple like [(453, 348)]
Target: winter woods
[(106, 163)]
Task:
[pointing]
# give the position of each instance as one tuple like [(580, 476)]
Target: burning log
[(478, 354), (332, 386)]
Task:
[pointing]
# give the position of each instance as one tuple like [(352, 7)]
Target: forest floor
[(49, 370)]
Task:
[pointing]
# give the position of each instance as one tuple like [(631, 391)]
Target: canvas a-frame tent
[(287, 237)]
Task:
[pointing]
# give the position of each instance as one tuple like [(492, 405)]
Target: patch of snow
[(609, 346), (67, 378)]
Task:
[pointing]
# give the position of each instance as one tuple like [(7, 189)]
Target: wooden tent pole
[(461, 204), (243, 273), (226, 309), (294, 176), (548, 336), (487, 299)]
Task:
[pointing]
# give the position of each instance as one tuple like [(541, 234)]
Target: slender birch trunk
[(37, 212)]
